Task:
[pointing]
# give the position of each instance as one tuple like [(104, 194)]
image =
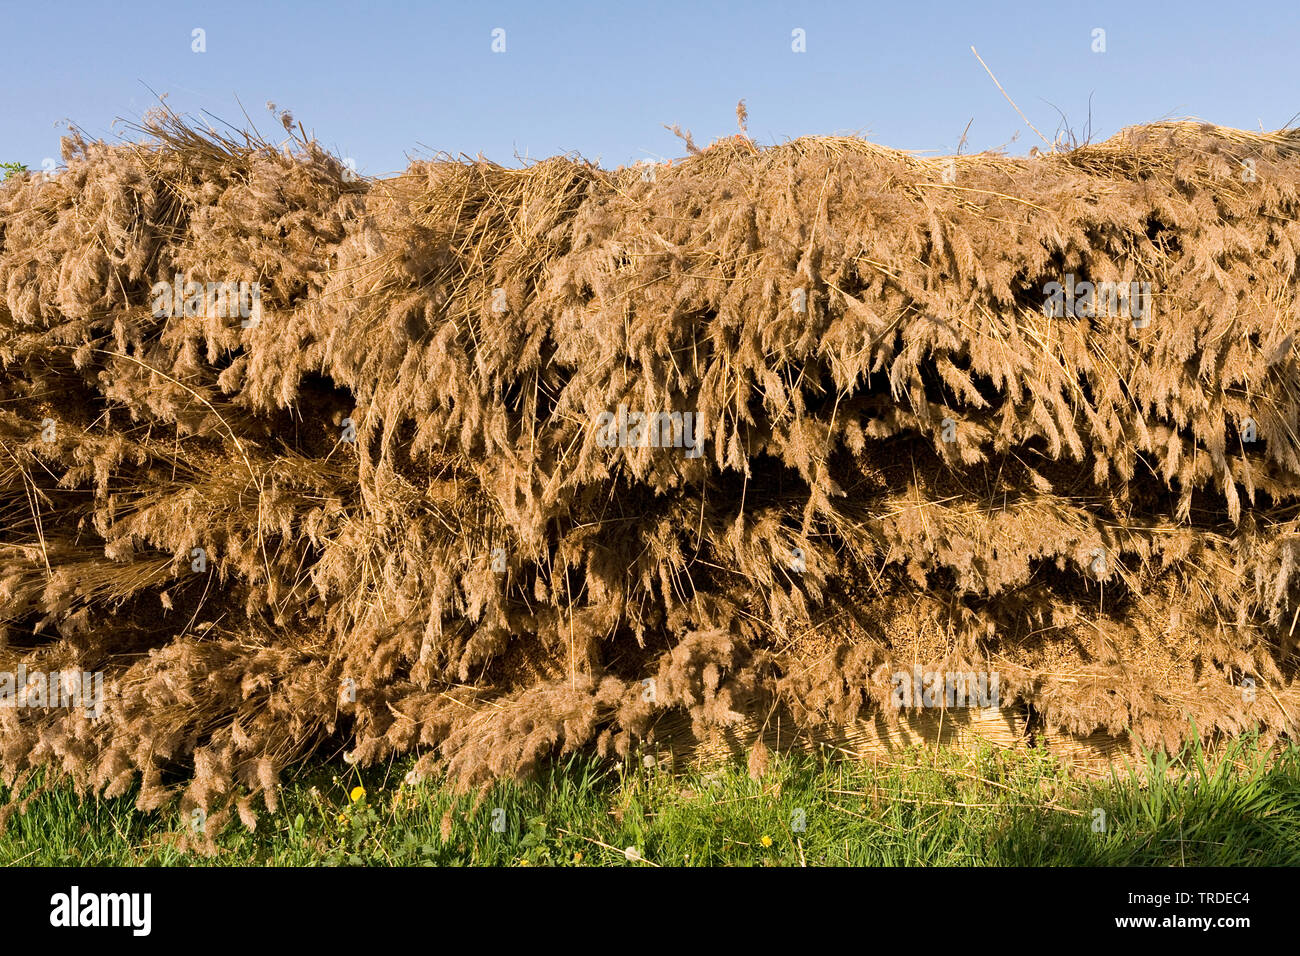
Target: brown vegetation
[(969, 483)]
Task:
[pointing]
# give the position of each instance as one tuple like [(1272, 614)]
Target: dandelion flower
[(357, 793), (766, 840)]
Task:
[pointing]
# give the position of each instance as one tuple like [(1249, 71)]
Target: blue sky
[(382, 81)]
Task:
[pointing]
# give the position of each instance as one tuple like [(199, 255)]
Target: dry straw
[(913, 465)]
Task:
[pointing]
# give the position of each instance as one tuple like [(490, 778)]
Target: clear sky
[(382, 81)]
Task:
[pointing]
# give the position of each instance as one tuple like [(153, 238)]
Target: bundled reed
[(395, 514)]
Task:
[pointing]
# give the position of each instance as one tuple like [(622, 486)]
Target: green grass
[(927, 809)]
